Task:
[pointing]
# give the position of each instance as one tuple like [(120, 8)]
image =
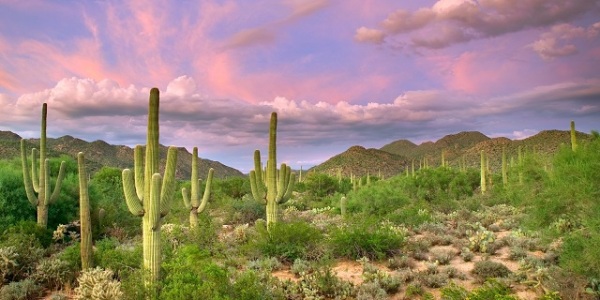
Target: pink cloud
[(367, 35)]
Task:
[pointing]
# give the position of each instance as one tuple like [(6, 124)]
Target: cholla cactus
[(98, 284)]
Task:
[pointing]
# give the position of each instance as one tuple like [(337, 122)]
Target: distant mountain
[(99, 153), (468, 145), (359, 161)]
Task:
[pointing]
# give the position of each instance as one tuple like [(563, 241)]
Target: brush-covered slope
[(99, 153), (359, 161)]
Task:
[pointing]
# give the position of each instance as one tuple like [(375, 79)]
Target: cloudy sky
[(338, 72)]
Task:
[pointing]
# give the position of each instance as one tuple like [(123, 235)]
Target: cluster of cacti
[(98, 284), (191, 200), (149, 194), (84, 215), (275, 186), (39, 179)]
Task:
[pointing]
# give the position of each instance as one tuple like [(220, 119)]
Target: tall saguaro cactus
[(504, 168), (84, 215), (39, 179), (147, 193), (191, 200), (573, 137), (483, 173), (278, 185)]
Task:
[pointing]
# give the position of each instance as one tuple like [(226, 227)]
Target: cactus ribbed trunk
[(84, 215), (573, 137), (39, 179), (483, 173), (520, 162), (343, 206), (149, 194), (504, 168)]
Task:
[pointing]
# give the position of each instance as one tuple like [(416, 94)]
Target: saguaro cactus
[(149, 194), (39, 180), (278, 185), (483, 173), (343, 203), (504, 168), (191, 200), (84, 215), (573, 137)]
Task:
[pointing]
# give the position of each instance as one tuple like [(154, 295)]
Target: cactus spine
[(483, 173), (39, 179), (573, 137), (149, 194), (84, 215), (278, 185), (192, 200)]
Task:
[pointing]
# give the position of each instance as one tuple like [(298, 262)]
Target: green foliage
[(28, 252), (365, 238), (13, 202), (288, 241), (21, 290), (378, 199), (241, 211), (485, 269), (190, 275), (491, 290), (233, 187), (53, 273), (319, 185), (106, 189), (110, 254)]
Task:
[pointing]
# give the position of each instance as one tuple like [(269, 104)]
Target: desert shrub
[(110, 254), (107, 185), (248, 286), (21, 290), (390, 283), (378, 199), (319, 185), (324, 284), (13, 202), (97, 284), (365, 238), (485, 269), (442, 256), (233, 187), (412, 215), (289, 241), (371, 291), (491, 290), (25, 250), (71, 255), (15, 234), (244, 210), (53, 273), (189, 274)]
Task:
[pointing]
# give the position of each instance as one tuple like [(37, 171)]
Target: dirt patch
[(349, 271)]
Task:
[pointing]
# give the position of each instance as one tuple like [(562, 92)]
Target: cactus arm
[(195, 182), (138, 158), (58, 184), (45, 179), (84, 215), (254, 187), (154, 211), (289, 189), (134, 204), (186, 198), (281, 185), (207, 191), (260, 175), (34, 170), (168, 185), (29, 188)]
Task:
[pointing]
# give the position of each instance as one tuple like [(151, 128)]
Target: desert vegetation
[(527, 230)]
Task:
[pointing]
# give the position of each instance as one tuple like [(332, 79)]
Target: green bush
[(110, 254), (491, 290), (485, 269), (28, 252), (289, 241), (21, 290), (365, 238)]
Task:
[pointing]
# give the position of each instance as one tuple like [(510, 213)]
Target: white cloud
[(559, 40), (367, 35)]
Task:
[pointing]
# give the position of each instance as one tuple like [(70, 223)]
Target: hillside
[(469, 145), (99, 153), (359, 161)]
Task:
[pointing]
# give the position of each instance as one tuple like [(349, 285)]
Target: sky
[(338, 72)]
